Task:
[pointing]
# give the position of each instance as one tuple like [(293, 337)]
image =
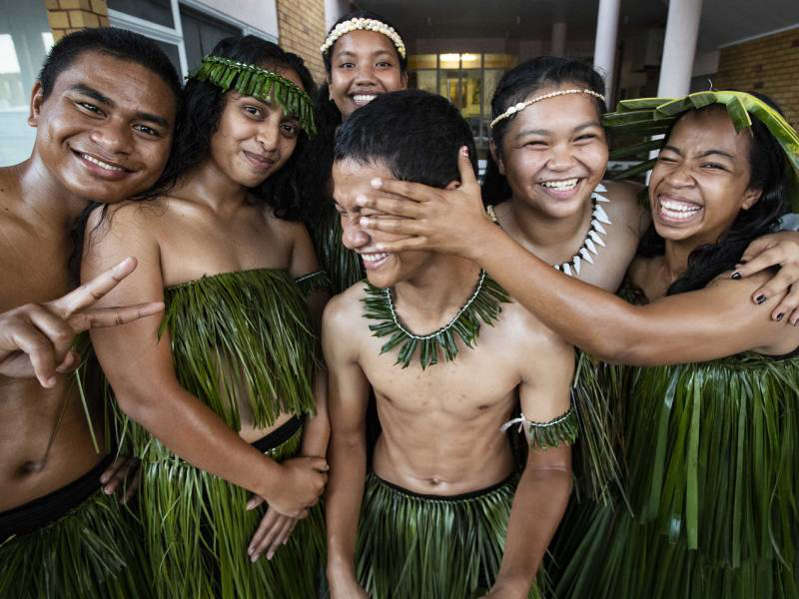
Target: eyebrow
[(580, 127), (103, 99), (703, 154)]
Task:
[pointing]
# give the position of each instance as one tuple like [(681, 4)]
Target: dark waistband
[(280, 435), (44, 510), (510, 480)]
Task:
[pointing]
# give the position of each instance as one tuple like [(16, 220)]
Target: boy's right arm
[(138, 364), (348, 396)]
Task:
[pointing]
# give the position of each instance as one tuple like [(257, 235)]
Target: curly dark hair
[(517, 85), (769, 172)]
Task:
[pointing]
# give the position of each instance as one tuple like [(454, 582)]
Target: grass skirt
[(92, 552), (712, 454), (413, 546), (198, 531)]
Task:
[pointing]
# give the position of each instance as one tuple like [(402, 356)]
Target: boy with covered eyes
[(445, 513)]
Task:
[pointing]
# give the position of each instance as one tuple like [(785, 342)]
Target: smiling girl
[(217, 397), (364, 56)]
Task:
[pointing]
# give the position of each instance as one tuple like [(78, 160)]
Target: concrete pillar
[(679, 48), (558, 38), (607, 27)]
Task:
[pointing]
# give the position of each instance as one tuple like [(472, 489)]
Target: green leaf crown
[(654, 116), (250, 80)]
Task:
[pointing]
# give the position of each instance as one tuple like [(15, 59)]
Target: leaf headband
[(250, 80), (653, 116)]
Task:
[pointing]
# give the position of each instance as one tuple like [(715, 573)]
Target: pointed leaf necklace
[(482, 306)]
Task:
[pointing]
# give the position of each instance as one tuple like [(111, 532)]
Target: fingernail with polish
[(360, 200), (736, 275), (760, 298), (365, 222), (779, 316), (377, 183), (465, 150)]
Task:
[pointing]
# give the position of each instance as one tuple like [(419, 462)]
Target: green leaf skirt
[(197, 533), (91, 552), (413, 546), (711, 453)]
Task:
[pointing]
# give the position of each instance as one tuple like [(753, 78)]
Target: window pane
[(450, 61), (426, 80), (22, 51), (499, 61), (421, 61), (470, 61), (201, 33), (155, 11), (491, 78), (171, 50)]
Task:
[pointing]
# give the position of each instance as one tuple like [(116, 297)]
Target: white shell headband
[(346, 27), (522, 105)]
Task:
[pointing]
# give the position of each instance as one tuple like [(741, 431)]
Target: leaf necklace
[(482, 306)]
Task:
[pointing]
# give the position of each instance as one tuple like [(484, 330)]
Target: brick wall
[(66, 16), (769, 65), (301, 26)]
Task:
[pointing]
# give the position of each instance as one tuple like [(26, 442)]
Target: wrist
[(339, 569), (270, 479), (483, 241)]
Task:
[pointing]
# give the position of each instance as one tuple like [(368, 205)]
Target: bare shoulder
[(344, 311), (289, 232), (520, 328), (625, 205)]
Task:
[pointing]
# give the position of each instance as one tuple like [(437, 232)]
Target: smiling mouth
[(107, 166), (363, 99), (561, 185), (260, 162), (374, 259), (677, 210)]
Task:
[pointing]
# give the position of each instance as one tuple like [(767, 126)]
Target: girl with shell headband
[(364, 56), (709, 446), (223, 396)]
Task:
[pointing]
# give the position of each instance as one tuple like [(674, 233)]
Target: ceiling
[(723, 21)]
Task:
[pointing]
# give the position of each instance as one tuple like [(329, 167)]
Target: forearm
[(194, 432), (343, 501), (317, 429), (538, 506)]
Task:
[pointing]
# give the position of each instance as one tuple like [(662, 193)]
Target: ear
[(404, 80), (492, 147), (37, 99), (751, 197)]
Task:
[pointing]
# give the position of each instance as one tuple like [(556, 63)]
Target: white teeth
[(677, 210), (100, 163), (372, 258), (561, 185), (363, 98)]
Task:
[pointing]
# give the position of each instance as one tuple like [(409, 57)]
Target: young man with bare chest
[(104, 109), (445, 513)]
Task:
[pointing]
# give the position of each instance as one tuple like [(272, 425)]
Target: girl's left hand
[(273, 531), (776, 249)]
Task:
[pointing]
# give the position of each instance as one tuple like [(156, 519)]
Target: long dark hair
[(204, 103), (319, 152), (517, 85), (769, 173), (196, 123)]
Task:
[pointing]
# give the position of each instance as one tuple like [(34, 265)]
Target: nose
[(365, 76), (560, 158), (679, 175), (269, 131), (352, 235), (114, 136)]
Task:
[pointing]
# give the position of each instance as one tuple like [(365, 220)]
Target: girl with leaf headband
[(709, 445), (364, 56), (223, 397)]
